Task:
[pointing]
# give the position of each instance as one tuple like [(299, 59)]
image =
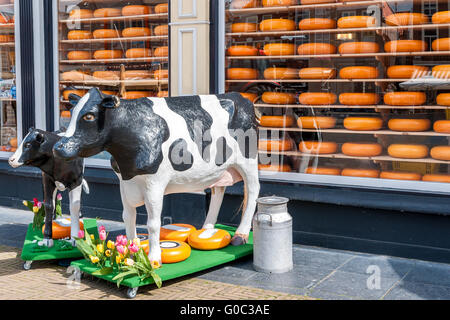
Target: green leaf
[(157, 279), (103, 271)]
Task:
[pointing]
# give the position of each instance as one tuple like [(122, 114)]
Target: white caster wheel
[(131, 293), (78, 274), (27, 265)]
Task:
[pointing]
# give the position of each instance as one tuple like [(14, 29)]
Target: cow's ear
[(73, 100), (110, 102), (39, 138)]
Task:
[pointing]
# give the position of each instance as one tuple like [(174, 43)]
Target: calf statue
[(169, 145), (36, 150)]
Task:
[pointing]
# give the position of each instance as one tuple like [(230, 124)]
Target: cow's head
[(87, 133), (31, 151)]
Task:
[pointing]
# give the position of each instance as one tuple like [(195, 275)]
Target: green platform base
[(198, 261), (60, 250)]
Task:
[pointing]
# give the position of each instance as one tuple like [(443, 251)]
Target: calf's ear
[(39, 138), (31, 129), (110, 102), (73, 100)]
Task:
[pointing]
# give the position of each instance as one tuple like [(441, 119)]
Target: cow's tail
[(85, 186)]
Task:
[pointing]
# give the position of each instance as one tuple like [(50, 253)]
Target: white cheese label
[(207, 233)]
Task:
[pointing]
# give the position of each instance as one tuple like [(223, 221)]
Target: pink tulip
[(59, 197), (102, 235), (121, 240), (81, 234), (39, 205), (120, 249), (133, 248), (101, 228)]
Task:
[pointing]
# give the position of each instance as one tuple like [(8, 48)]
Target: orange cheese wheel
[(363, 123), (242, 50), (441, 17), (79, 55), (363, 173), (136, 94), (358, 98), (275, 145), (61, 228), (75, 75), (108, 54), (161, 74), (358, 47), (243, 4), (162, 30), (409, 125), (162, 51), (137, 74), (138, 53), (65, 114), (162, 8), (280, 73), (358, 72), (106, 33), (79, 35), (317, 73), (107, 75), (81, 14), (278, 3), (405, 46), (316, 122), (135, 10), (174, 251), (244, 27), (362, 149), (107, 12), (406, 71), (316, 48), (278, 97), (441, 44), (78, 92), (406, 18), (440, 153), (7, 38), (275, 167), (407, 98), (399, 175), (323, 170), (250, 96), (242, 73), (176, 232), (441, 71), (136, 32), (109, 93), (13, 142), (408, 151), (317, 23), (318, 147), (356, 22), (436, 178), (277, 25), (317, 98), (315, 1), (209, 239), (276, 121), (443, 99), (279, 49), (442, 126), (163, 94)]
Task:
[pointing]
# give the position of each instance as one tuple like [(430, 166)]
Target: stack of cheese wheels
[(441, 17), (176, 232), (162, 51), (358, 47), (405, 46), (242, 74), (174, 251), (440, 153), (162, 30), (79, 35), (137, 74), (442, 44), (61, 228), (356, 22), (316, 122), (277, 25), (442, 126), (409, 125), (79, 55), (358, 72), (406, 18), (436, 178), (138, 53), (135, 10), (276, 121), (317, 98), (318, 147), (243, 4), (209, 239), (363, 173), (361, 149), (136, 32), (275, 145), (363, 123), (441, 71), (408, 151), (278, 3), (250, 96), (239, 27), (317, 73), (106, 75), (358, 98), (278, 97), (279, 49), (400, 175), (242, 50), (162, 8), (137, 94), (78, 92), (107, 12), (81, 14), (330, 171), (443, 99), (316, 24), (406, 71), (106, 33), (280, 167), (407, 98), (316, 48), (280, 73), (161, 74)]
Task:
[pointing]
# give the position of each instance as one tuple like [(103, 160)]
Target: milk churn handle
[(270, 216)]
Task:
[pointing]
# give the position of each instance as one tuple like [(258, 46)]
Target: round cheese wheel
[(277, 25), (162, 8), (318, 147), (138, 53), (242, 73), (278, 3), (163, 94), (66, 114), (136, 94), (136, 32), (399, 175), (250, 96), (61, 228), (406, 18), (13, 142), (405, 46), (279, 49), (243, 4), (7, 38), (316, 1), (81, 14), (280, 73), (78, 92), (161, 74), (409, 125), (244, 27), (442, 44), (107, 12), (242, 50), (358, 47), (176, 232), (436, 178), (441, 71), (441, 17), (107, 75), (137, 74), (275, 167), (363, 123), (135, 10), (406, 71), (108, 54), (79, 35), (358, 98), (276, 121), (358, 72), (323, 170), (162, 30), (106, 34), (362, 149), (317, 23), (174, 251), (275, 145), (316, 122), (407, 98), (317, 73), (317, 98), (443, 99), (408, 151), (79, 55), (442, 126), (356, 22), (209, 239), (440, 153), (109, 93), (161, 51), (278, 97), (75, 75), (316, 48), (363, 173)]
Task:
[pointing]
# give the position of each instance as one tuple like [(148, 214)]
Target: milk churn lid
[(272, 200)]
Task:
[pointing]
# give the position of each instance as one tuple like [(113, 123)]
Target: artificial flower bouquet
[(38, 209)]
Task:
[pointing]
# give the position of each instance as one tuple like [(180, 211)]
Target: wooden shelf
[(111, 40), (340, 106), (146, 17), (315, 80), (116, 83), (122, 60), (7, 44)]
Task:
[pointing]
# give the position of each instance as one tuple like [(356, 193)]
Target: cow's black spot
[(179, 155), (224, 152), (229, 107)]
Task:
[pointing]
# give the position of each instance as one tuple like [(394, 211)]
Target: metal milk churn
[(272, 236)]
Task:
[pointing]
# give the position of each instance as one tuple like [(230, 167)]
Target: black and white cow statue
[(36, 150), (169, 145)]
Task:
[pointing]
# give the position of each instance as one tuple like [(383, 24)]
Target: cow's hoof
[(239, 239), (72, 241), (46, 243)]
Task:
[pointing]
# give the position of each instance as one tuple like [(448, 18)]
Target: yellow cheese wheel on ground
[(162, 30), (363, 123), (106, 33), (436, 178), (405, 46), (275, 167), (244, 27), (358, 98), (79, 35), (400, 175), (162, 8), (79, 55), (277, 25), (276, 121), (317, 98), (275, 145), (363, 173), (280, 73), (441, 17), (406, 18), (81, 14), (407, 98), (442, 126), (136, 32), (316, 122), (278, 97), (440, 153), (316, 24), (317, 73), (318, 147), (61, 228), (174, 251), (107, 75), (135, 10), (323, 171), (279, 49), (278, 3), (242, 73), (108, 54), (107, 12), (242, 50), (358, 72), (406, 71), (441, 44), (441, 71), (316, 48), (243, 4), (362, 149), (356, 22), (358, 47), (138, 53), (176, 232), (209, 239), (408, 151), (409, 125)]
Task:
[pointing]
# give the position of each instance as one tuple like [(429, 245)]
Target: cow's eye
[(27, 145), (89, 117)]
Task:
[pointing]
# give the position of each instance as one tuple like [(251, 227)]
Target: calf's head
[(87, 132), (32, 150)]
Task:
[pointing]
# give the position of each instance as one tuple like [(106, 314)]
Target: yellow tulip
[(100, 248), (110, 245), (94, 259), (25, 203), (92, 237), (118, 259), (137, 242), (129, 262), (35, 209), (108, 253)]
